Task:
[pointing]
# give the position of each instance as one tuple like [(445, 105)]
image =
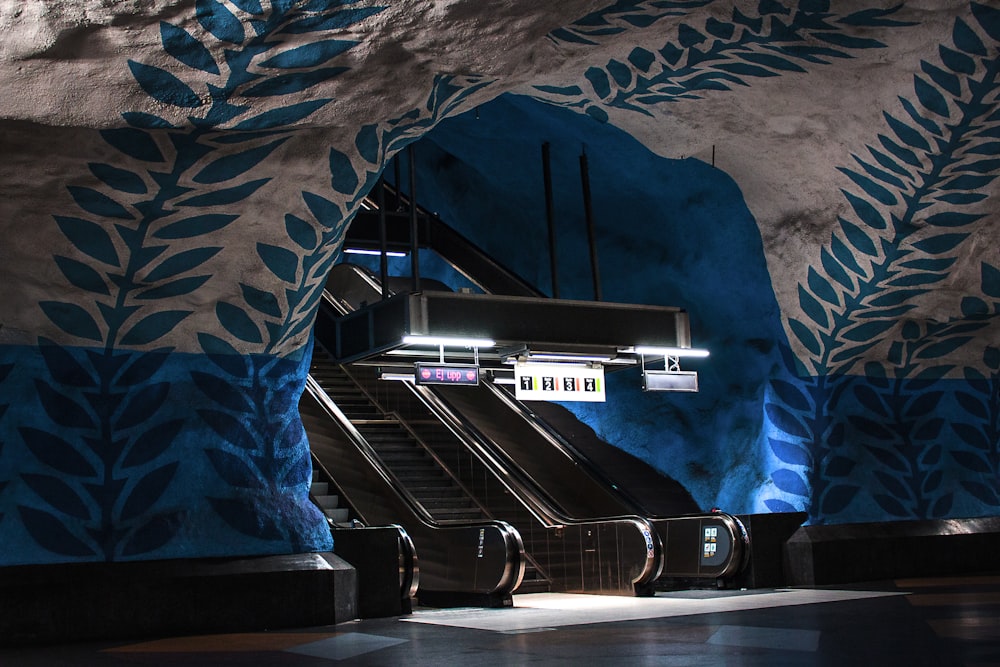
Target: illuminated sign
[(559, 382), (446, 374)]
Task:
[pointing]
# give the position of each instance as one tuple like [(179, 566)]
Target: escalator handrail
[(557, 442), (530, 494), (514, 561)]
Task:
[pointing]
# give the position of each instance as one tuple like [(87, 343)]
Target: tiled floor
[(948, 621)]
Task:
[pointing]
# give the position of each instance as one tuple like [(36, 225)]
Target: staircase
[(400, 451)]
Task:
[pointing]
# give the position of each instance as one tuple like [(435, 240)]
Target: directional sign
[(466, 374), (559, 382)]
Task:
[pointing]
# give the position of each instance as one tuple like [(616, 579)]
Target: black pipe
[(588, 211), (383, 243), (414, 245), (398, 182), (550, 218)]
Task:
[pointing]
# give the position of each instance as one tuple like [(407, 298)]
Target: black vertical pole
[(589, 214), (414, 245), (383, 244), (550, 219), (396, 170)]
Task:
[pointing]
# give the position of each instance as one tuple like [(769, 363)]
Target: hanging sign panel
[(446, 374), (559, 382)]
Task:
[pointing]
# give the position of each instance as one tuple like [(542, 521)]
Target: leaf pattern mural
[(714, 56), (881, 376), (142, 250)]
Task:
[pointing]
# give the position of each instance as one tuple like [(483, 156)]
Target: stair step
[(328, 502), (339, 515)]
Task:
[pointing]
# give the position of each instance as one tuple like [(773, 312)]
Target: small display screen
[(465, 374)]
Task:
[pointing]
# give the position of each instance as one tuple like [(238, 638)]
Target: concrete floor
[(942, 621)]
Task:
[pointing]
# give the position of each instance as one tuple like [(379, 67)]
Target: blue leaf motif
[(839, 466), (222, 392), (786, 452), (224, 355), (153, 327), (868, 330), (237, 322), (953, 219), (990, 279), (300, 231), (343, 177), (930, 97), (940, 244), (119, 179), (163, 86), (791, 395), (972, 461), (282, 262), (837, 498), (142, 404), (56, 453), (153, 534), (867, 213), (790, 482), (153, 443), (989, 18), (786, 421), (145, 121), (181, 262), (299, 473), (72, 319), (871, 400), (982, 492), (943, 348), (893, 485), (972, 436), (822, 288), (82, 275), (229, 428), (51, 533), (367, 143), (225, 195), (57, 494), (234, 470), (142, 367), (148, 490), (231, 166), (599, 81), (294, 82), (89, 238), (134, 142), (241, 516), (216, 18), (186, 49), (858, 238), (61, 409), (173, 289), (813, 308), (890, 505), (778, 506), (63, 367), (98, 203), (261, 301), (283, 116), (805, 336), (335, 21), (312, 54), (194, 226), (327, 213)]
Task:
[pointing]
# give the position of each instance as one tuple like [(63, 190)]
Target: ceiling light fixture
[(670, 351), (448, 341), (362, 251)]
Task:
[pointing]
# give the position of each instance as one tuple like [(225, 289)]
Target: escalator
[(462, 561)]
